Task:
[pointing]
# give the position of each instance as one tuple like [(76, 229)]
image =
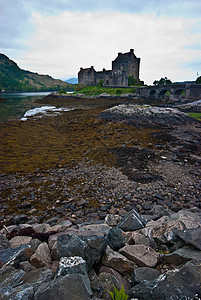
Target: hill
[(12, 78), (73, 80)]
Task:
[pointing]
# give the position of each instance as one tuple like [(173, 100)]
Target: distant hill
[(12, 78), (73, 80)]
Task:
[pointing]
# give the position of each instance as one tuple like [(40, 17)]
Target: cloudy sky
[(57, 37)]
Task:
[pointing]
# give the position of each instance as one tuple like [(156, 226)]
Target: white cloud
[(65, 42)]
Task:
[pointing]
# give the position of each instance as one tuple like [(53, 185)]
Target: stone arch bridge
[(170, 92)]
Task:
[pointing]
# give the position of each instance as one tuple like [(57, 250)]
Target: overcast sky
[(57, 37)]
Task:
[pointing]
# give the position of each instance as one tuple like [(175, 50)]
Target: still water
[(18, 103)]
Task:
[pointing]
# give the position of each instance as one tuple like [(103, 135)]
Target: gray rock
[(4, 243), (142, 255), (115, 238), (144, 273), (182, 283), (41, 257), (19, 219), (182, 255), (13, 256), (131, 221), (72, 265), (89, 247), (191, 236), (112, 220), (66, 287), (20, 240), (17, 284)]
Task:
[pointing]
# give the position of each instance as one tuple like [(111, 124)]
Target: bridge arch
[(161, 94), (152, 94), (178, 93)]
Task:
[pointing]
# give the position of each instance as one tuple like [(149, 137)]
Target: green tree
[(198, 80), (100, 83), (162, 81)]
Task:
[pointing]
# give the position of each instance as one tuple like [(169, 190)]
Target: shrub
[(119, 295), (118, 92), (78, 87), (198, 80), (100, 83)]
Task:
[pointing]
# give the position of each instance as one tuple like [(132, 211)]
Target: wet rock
[(41, 257), (144, 273), (118, 262), (4, 243), (131, 221), (66, 287), (182, 283), (142, 255), (13, 256), (115, 238), (19, 240)]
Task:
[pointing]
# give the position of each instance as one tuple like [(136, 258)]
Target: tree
[(162, 81), (198, 80)]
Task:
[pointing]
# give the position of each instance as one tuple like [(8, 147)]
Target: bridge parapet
[(171, 92)]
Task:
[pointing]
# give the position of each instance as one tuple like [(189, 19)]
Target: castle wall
[(123, 66)]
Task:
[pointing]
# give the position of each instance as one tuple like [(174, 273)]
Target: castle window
[(107, 82)]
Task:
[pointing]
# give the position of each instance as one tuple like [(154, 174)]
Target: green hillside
[(12, 78)]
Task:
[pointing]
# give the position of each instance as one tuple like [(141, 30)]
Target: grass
[(195, 115), (97, 90)]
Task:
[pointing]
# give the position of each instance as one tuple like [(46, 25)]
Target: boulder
[(131, 221), (182, 255), (71, 265), (13, 256), (118, 262), (144, 273), (19, 219), (142, 255), (20, 240), (66, 287), (115, 238), (191, 236), (42, 256), (112, 220), (17, 284), (181, 283), (89, 247)]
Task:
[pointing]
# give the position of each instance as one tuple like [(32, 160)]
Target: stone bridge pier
[(171, 92)]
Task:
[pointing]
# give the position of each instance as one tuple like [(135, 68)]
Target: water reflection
[(17, 103)]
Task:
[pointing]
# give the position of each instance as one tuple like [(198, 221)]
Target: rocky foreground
[(125, 211), (154, 256)]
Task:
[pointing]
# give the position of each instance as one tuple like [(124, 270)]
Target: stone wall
[(125, 65)]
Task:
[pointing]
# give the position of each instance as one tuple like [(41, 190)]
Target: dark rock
[(191, 236), (4, 243), (144, 273), (131, 221), (182, 283), (16, 284), (89, 247), (19, 219), (182, 255), (115, 238), (95, 284), (66, 287), (13, 256)]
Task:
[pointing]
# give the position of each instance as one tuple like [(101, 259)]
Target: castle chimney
[(92, 67), (131, 50), (81, 68), (120, 53)]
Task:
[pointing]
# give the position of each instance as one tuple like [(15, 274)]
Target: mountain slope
[(12, 78)]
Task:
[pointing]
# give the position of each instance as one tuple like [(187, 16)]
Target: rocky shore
[(101, 198)]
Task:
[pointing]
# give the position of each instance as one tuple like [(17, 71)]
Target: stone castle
[(125, 65)]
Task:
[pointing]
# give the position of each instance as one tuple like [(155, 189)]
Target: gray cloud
[(14, 23)]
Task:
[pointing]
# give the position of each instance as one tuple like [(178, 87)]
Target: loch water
[(18, 103)]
